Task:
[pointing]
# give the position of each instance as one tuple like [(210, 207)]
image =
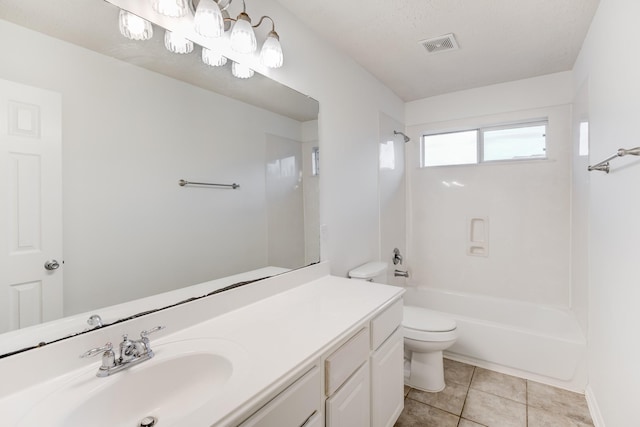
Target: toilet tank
[(374, 271)]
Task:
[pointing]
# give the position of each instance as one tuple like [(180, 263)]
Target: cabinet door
[(298, 404), (350, 405), (387, 381)]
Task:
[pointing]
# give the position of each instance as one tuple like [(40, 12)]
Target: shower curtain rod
[(604, 165)]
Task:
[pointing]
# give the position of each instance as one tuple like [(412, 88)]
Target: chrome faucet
[(397, 257), (132, 352), (401, 273)]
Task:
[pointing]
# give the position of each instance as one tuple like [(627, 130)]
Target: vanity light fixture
[(133, 27), (209, 19), (213, 58), (241, 71), (172, 8), (177, 43), (271, 54), (243, 38)]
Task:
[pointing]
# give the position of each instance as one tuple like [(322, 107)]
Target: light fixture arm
[(273, 24), (242, 15), (222, 4)]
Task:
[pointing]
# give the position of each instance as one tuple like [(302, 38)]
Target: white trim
[(573, 385), (594, 409)]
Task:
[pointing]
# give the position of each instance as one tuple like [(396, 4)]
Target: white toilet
[(426, 335)]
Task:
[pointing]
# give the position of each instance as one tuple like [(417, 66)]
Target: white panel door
[(30, 205)]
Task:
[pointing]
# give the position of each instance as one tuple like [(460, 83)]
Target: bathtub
[(541, 343)]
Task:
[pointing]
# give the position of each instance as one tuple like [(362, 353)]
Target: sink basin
[(181, 378)]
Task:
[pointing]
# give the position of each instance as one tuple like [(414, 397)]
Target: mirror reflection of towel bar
[(183, 182)]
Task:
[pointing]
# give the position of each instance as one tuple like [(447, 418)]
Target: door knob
[(52, 264)]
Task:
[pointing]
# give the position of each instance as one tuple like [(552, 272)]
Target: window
[(583, 148), (315, 161), (387, 155), (522, 141), (456, 148)]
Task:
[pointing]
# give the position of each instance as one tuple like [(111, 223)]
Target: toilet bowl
[(426, 335)]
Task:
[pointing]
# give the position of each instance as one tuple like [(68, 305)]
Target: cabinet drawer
[(294, 406), (385, 323), (345, 360)]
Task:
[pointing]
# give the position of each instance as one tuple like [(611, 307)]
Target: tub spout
[(401, 273)]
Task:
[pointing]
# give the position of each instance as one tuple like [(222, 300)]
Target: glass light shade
[(213, 58), (241, 71), (173, 8), (208, 21), (176, 43), (243, 38), (133, 27), (271, 53)]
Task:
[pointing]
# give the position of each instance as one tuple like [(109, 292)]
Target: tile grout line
[(528, 405), (526, 400), (466, 395)]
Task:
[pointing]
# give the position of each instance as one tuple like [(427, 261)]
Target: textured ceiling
[(500, 40), (93, 24)]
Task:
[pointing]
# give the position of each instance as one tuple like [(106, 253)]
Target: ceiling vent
[(440, 44)]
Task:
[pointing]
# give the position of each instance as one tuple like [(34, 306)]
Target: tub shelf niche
[(478, 237)]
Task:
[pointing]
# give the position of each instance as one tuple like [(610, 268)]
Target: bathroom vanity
[(303, 348)]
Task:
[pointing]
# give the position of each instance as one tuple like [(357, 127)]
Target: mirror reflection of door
[(30, 206)]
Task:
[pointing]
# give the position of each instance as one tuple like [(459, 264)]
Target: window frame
[(315, 161), (480, 130)]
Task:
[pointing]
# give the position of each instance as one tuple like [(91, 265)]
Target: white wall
[(527, 203), (612, 70), (350, 101), (129, 135)]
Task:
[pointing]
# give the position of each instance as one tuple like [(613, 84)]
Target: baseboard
[(594, 409)]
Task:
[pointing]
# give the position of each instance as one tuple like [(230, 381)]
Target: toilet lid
[(422, 319)]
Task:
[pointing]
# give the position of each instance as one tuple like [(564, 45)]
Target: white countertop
[(280, 335)]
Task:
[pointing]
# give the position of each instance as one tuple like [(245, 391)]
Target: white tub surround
[(285, 326), (500, 229), (532, 341)]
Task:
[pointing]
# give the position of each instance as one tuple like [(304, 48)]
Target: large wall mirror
[(97, 131)]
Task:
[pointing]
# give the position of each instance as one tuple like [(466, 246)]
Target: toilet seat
[(421, 324)]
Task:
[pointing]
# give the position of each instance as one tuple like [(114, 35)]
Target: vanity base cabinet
[(298, 405), (349, 406), (387, 381)]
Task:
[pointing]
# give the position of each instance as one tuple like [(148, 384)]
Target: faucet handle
[(397, 257), (145, 333), (98, 350)]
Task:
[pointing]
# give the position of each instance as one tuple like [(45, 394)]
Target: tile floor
[(476, 397)]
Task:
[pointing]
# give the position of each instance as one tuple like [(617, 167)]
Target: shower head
[(406, 138)]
